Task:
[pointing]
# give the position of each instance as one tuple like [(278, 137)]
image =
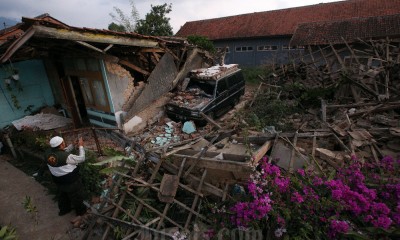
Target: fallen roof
[(350, 30), (214, 72), (47, 32), (284, 22)]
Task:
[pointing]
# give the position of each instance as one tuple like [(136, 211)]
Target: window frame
[(267, 48), (244, 49), (91, 76)]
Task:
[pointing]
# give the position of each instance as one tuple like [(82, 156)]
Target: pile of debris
[(175, 173), (170, 171)]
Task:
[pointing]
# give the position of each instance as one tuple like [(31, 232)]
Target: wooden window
[(94, 93), (267, 48), (244, 49), (91, 80)]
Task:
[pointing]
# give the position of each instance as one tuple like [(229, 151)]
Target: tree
[(156, 23), (116, 27), (127, 22), (202, 42)]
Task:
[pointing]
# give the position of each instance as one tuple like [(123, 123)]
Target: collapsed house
[(160, 186), (92, 76), (361, 119)]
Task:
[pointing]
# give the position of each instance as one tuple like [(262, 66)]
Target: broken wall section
[(148, 99)]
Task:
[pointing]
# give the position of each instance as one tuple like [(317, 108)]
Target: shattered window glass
[(222, 86), (207, 87)]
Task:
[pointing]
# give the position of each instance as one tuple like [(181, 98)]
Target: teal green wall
[(36, 91)]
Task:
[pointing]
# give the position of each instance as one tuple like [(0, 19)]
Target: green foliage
[(91, 175), (156, 23), (251, 74), (15, 101), (267, 111), (116, 27), (309, 97), (128, 22), (30, 207), (202, 42), (35, 140), (8, 233)]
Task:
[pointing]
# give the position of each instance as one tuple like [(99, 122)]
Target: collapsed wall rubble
[(167, 175), (180, 175)]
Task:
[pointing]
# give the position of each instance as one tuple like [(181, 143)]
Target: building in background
[(264, 37)]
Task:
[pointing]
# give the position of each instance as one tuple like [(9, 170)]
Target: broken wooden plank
[(196, 198), (208, 119), (261, 152), (333, 159), (175, 183), (293, 152), (262, 138), (323, 110), (215, 164), (209, 188), (134, 67)]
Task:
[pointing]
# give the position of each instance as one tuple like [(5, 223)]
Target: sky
[(96, 13)]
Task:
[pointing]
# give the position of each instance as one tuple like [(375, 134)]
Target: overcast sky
[(96, 13)]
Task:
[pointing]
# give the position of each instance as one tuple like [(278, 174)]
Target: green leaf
[(332, 175), (110, 160), (355, 235), (114, 169), (3, 231)]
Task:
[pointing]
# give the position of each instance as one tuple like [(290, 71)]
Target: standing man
[(65, 172)]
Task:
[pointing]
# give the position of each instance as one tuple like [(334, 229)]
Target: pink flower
[(337, 227), (296, 197), (301, 172)]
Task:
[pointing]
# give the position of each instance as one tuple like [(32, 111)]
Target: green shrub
[(251, 74)]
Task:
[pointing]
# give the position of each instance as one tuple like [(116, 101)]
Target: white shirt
[(72, 161)]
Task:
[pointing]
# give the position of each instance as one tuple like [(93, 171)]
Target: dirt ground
[(15, 187)]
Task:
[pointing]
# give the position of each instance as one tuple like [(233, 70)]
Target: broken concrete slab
[(282, 154), (42, 121)]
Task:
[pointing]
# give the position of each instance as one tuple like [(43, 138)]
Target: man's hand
[(80, 142)]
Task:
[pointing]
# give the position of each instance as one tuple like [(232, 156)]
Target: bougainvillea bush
[(360, 201)]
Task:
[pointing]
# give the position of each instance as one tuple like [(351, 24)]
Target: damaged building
[(263, 38), (92, 76)]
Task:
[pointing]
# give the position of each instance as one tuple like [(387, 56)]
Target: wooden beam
[(212, 163), (90, 46), (208, 119), (134, 67), (17, 44), (74, 35), (108, 48), (152, 50), (291, 163), (261, 152)]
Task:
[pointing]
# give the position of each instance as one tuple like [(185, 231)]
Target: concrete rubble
[(172, 168)]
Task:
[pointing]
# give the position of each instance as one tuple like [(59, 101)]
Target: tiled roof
[(350, 30), (284, 22)]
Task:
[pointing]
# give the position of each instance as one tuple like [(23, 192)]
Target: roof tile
[(350, 30), (284, 22)]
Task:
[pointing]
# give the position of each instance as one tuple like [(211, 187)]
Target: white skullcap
[(56, 141)]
